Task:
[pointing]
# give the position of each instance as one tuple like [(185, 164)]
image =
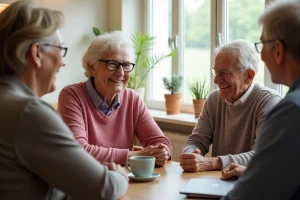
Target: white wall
[(80, 17), (126, 15), (133, 16)]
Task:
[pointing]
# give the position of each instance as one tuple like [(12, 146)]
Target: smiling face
[(109, 83), (51, 62), (235, 84)]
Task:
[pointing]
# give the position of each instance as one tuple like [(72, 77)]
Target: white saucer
[(143, 179)]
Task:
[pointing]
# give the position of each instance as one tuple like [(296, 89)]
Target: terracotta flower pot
[(198, 106), (173, 103)]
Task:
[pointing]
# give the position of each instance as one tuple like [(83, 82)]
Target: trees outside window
[(193, 29)]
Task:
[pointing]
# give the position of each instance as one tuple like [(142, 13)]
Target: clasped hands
[(158, 151), (195, 162)]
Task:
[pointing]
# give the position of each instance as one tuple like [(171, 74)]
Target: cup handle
[(127, 166)]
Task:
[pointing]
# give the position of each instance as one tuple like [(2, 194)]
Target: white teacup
[(141, 166)]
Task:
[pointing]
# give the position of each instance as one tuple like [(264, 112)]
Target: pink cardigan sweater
[(109, 138)]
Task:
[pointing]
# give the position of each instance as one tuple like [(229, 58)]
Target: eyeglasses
[(222, 73), (259, 45), (63, 50), (113, 65)]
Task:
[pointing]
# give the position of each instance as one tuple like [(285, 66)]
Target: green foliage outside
[(174, 84), (243, 22)]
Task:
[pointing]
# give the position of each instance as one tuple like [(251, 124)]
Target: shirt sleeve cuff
[(226, 160)]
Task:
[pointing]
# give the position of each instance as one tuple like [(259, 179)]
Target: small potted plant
[(199, 90), (173, 100)]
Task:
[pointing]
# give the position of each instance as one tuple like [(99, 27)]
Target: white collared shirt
[(243, 98)]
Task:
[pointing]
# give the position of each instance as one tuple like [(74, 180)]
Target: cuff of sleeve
[(190, 149), (121, 156), (226, 160)]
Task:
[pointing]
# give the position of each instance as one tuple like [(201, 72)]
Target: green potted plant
[(199, 90), (144, 63), (173, 100)]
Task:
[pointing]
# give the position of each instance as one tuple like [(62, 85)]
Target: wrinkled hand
[(116, 168), (232, 171), (158, 151), (195, 162)]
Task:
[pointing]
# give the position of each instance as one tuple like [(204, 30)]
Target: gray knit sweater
[(232, 130)]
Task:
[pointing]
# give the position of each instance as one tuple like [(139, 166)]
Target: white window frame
[(218, 25)]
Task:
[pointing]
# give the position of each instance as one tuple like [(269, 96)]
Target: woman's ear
[(35, 53), (92, 69)]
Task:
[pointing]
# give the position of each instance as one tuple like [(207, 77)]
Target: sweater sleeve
[(268, 101), (273, 172), (147, 131), (72, 114), (46, 147), (202, 135)]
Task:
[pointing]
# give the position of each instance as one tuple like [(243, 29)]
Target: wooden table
[(172, 179)]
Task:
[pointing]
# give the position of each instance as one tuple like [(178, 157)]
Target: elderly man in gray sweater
[(233, 114)]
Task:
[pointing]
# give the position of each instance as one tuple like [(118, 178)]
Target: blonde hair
[(22, 24)]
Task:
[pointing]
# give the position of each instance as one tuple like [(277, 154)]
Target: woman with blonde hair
[(37, 150)]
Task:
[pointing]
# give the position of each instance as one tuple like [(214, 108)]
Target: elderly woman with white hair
[(233, 115), (104, 116), (37, 149)]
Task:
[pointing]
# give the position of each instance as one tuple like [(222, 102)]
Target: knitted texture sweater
[(233, 130), (109, 138)]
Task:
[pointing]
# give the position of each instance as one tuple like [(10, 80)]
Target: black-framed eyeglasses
[(223, 72), (259, 45), (113, 65), (63, 50)]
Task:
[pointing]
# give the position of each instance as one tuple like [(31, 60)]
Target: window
[(193, 29), (243, 23)]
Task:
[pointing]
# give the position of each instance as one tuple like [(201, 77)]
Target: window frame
[(219, 19)]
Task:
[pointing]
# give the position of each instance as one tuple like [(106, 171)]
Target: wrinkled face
[(51, 62), (109, 83), (233, 85)]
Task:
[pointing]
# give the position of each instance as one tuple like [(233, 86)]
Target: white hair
[(281, 21), (109, 41), (245, 53)]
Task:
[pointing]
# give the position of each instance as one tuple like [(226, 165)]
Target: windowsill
[(180, 119)]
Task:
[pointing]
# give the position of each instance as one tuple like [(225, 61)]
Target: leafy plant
[(96, 31), (144, 63), (174, 84), (199, 88)]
